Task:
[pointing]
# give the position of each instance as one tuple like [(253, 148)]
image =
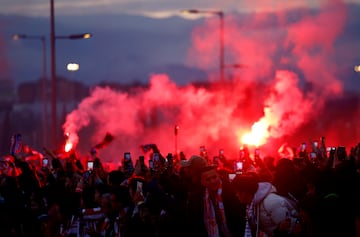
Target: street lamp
[(72, 67), (43, 90), (75, 36), (53, 38), (220, 14)]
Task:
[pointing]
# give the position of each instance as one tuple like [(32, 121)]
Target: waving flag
[(106, 141)]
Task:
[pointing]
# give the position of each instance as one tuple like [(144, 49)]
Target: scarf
[(250, 221), (212, 221)]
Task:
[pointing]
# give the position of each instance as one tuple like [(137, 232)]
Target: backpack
[(269, 220)]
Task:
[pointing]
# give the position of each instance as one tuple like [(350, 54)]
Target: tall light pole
[(220, 14), (53, 69), (176, 131), (53, 76), (44, 83), (357, 70)]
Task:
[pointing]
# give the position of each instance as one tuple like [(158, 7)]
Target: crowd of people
[(309, 192)]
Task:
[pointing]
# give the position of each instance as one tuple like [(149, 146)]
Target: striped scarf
[(211, 223), (250, 220)]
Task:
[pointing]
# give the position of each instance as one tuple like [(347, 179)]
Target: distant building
[(7, 99), (21, 109)]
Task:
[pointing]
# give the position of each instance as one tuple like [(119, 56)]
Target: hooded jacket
[(270, 209)]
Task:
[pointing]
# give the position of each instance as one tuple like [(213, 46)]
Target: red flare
[(68, 146)]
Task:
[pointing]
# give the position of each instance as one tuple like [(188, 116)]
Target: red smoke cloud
[(313, 39), (268, 92), (205, 117), (307, 44)]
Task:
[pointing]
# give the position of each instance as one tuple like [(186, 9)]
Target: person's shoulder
[(274, 197), (274, 200)]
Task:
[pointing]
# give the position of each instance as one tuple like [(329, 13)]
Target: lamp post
[(357, 70), (44, 83), (53, 75), (176, 131), (220, 14), (53, 38)]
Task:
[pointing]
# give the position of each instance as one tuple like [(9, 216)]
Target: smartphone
[(231, 177), (221, 152), (87, 174), (303, 146), (139, 186), (156, 157), (90, 165), (239, 165), (202, 149), (151, 164), (45, 162), (316, 144), (313, 155), (127, 156)]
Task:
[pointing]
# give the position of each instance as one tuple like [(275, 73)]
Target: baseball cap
[(193, 160)]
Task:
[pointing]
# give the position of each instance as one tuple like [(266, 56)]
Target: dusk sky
[(156, 8), (155, 44)]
